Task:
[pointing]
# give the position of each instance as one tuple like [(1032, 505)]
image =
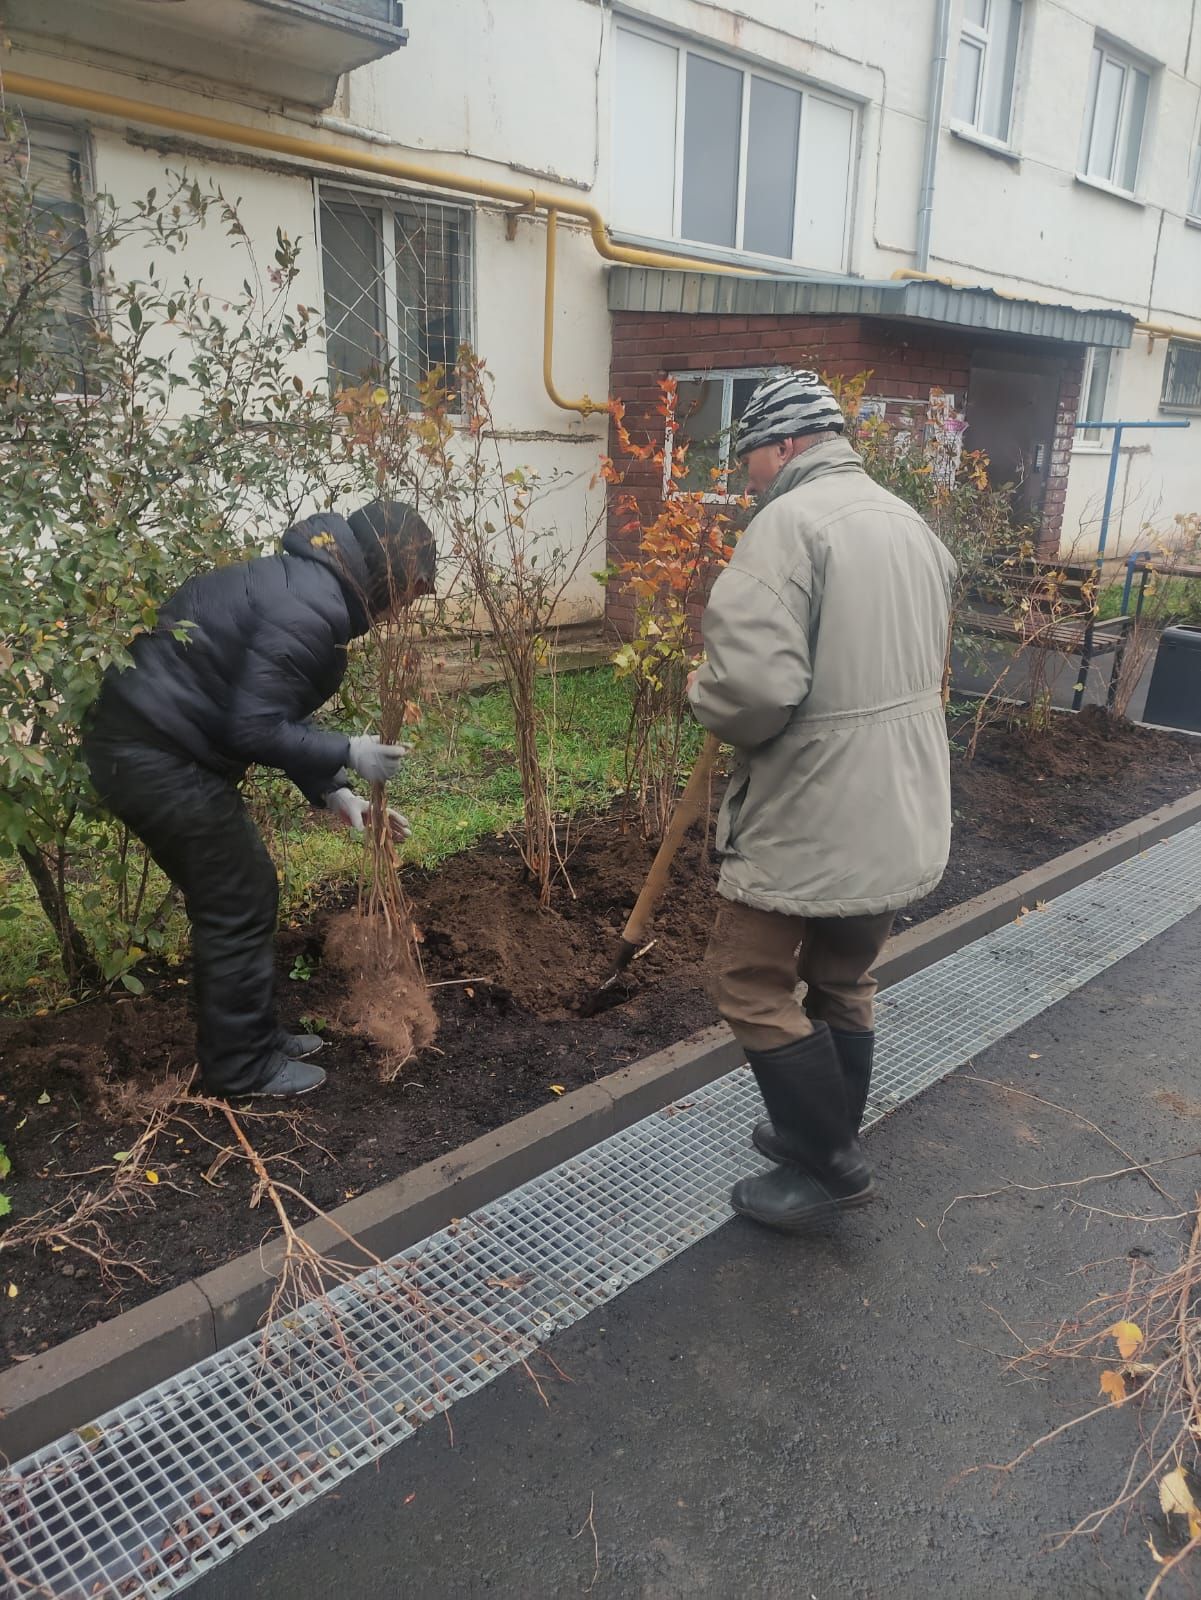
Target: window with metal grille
[(1182, 377), (986, 71), (50, 162), (398, 276)]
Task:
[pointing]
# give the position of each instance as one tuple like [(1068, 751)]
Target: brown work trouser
[(755, 959)]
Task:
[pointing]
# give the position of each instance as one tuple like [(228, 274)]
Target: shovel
[(688, 808)]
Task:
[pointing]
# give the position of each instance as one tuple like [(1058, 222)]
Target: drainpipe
[(383, 164), (938, 87)]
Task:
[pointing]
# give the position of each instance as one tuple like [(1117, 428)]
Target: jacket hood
[(327, 539), (399, 550)]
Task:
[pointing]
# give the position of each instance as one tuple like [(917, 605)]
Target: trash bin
[(1174, 698)]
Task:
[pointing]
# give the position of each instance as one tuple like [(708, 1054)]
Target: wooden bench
[(1051, 606)]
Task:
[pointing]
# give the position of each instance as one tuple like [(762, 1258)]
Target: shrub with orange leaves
[(681, 549)]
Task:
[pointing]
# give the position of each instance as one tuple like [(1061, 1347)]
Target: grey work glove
[(375, 761), (353, 809)]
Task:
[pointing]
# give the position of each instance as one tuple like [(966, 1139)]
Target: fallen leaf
[(1129, 1336), (1175, 1496), (409, 1498), (1034, 1056), (120, 1155), (44, 1098), (13, 1291), (557, 1088), (1114, 1385), (88, 1434)]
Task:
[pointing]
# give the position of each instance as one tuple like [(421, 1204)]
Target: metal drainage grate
[(163, 1488)]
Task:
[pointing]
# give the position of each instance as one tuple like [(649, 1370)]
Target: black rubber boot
[(285, 1078), (805, 1094), (855, 1053)]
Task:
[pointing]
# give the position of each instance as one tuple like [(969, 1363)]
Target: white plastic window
[(986, 70), (708, 408), (1115, 118), (714, 152), (1094, 394)]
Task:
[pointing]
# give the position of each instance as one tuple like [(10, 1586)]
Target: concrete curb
[(51, 1394)]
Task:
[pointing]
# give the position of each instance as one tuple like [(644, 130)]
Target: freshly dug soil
[(507, 980)]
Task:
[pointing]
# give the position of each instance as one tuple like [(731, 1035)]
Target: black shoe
[(855, 1054), (287, 1078), (298, 1045), (791, 1199)]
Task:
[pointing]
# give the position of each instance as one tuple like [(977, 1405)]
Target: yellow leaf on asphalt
[(1129, 1336), (557, 1088), (151, 1177), (1114, 1385), (13, 1291), (1175, 1496)]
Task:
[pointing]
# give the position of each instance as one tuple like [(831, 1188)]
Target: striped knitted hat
[(786, 407)]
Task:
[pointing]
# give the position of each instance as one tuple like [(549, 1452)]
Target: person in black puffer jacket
[(240, 658)]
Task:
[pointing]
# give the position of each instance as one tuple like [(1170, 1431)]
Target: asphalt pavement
[(813, 1419)]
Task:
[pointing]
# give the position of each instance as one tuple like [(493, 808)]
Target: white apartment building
[(1042, 156)]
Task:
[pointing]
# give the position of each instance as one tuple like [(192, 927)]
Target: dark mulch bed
[(75, 1083)]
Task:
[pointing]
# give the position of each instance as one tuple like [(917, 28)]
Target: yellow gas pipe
[(100, 103)]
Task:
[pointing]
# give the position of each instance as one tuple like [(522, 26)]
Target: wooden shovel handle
[(688, 808)]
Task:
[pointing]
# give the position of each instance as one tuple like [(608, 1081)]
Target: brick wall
[(1066, 412), (906, 362)]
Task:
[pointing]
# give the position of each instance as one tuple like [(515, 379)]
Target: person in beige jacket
[(825, 642)]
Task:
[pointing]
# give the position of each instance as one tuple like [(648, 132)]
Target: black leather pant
[(196, 826)]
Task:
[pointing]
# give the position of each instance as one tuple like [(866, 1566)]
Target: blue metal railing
[(1118, 429)]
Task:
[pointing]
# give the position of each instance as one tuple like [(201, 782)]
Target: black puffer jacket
[(265, 646)]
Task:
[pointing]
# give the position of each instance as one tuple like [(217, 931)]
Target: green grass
[(460, 785), (1168, 599)]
